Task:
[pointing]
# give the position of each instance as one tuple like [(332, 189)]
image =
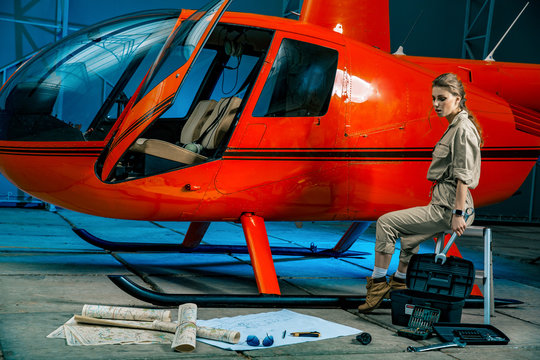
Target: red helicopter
[(205, 116)]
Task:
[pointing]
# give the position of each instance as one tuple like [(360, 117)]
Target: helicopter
[(209, 115)]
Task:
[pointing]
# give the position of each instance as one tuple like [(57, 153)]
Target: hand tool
[(455, 343), (306, 334), (442, 255)]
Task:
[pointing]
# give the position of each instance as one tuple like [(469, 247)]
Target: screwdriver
[(306, 334)]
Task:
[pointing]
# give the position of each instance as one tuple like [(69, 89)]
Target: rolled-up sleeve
[(466, 159)]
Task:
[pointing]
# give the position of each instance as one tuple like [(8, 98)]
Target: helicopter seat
[(200, 115), (211, 133), (219, 123), (166, 150), (190, 132)]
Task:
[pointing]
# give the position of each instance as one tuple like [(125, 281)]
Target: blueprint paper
[(125, 313), (106, 334), (185, 337), (81, 334), (274, 323), (260, 325)]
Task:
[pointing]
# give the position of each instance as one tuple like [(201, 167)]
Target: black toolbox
[(421, 323), (440, 286)]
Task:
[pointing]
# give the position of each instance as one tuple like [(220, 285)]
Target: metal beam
[(62, 17), (60, 25), (469, 35), (43, 24)]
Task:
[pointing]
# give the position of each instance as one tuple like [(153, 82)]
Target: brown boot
[(396, 284), (376, 291)]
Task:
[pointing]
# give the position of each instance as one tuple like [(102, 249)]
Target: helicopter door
[(158, 90), (289, 127)]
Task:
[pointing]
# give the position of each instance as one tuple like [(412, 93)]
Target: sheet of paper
[(81, 334), (274, 323)]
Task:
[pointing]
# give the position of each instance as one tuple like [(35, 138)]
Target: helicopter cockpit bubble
[(73, 90)]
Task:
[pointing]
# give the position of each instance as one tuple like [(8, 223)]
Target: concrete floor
[(47, 273)]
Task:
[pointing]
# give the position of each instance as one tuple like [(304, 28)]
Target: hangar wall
[(422, 27), (440, 31)]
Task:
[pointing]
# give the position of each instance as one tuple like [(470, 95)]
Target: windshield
[(76, 89), (180, 46)]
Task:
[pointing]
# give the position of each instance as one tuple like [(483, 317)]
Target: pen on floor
[(306, 334)]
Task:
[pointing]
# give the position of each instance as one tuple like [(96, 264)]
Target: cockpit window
[(300, 81), (75, 90), (198, 124), (180, 45)]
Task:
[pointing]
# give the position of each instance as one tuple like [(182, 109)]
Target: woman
[(454, 169)]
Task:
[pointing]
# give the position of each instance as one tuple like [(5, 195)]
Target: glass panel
[(192, 82), (217, 73), (300, 81), (224, 73), (75, 90), (180, 46)]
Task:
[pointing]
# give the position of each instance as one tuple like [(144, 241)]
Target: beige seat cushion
[(219, 122), (209, 119), (200, 115), (166, 150)]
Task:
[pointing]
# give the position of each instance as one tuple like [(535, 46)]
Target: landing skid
[(221, 300), (264, 300), (210, 249)]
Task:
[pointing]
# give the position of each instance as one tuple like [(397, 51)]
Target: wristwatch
[(458, 212)]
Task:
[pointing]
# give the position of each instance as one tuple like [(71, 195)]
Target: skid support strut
[(260, 254), (356, 229), (195, 234)]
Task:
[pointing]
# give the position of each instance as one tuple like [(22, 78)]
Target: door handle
[(190, 187)]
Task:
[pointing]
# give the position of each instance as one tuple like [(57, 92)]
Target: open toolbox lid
[(472, 334), (453, 278)]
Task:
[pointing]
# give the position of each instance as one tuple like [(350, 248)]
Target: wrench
[(455, 343), (442, 255)]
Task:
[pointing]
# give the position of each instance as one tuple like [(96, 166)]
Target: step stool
[(485, 276)]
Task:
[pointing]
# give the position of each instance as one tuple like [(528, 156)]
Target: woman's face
[(444, 102)]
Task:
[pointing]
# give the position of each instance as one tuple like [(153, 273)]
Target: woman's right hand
[(458, 225)]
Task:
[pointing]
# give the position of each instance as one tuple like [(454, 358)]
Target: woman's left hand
[(458, 225)]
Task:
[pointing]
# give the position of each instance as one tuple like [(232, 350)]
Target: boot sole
[(376, 305)]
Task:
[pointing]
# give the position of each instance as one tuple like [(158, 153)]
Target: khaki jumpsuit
[(455, 156)]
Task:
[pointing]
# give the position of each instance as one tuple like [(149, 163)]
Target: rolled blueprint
[(125, 313), (164, 326), (229, 336), (186, 334), (145, 325)]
